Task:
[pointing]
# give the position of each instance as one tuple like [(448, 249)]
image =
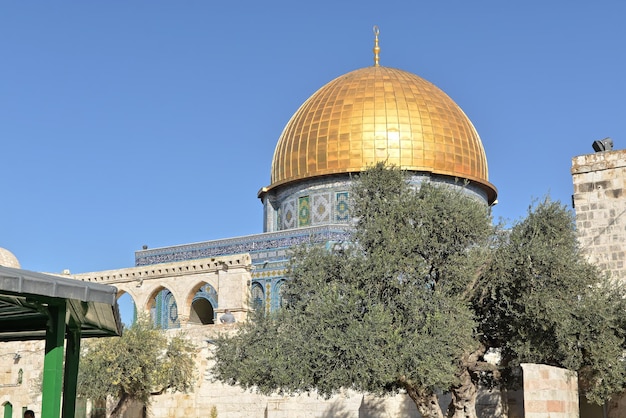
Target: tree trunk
[(463, 403), (121, 407), (427, 403)]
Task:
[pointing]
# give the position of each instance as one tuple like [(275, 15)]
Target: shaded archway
[(203, 305), (202, 312)]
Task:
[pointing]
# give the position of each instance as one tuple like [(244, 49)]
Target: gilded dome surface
[(380, 114)]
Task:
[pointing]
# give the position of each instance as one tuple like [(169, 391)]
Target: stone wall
[(234, 402), (549, 392), (229, 401), (21, 375), (600, 203)]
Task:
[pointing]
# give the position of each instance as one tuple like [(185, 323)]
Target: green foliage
[(434, 235), (140, 363), (427, 286), (378, 316), (543, 303)]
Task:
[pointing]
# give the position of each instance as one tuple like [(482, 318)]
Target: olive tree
[(424, 289), (143, 362), (387, 313)]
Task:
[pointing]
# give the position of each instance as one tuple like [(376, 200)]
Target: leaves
[(425, 288), (387, 312), (542, 302), (142, 362)]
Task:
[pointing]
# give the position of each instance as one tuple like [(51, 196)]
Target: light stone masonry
[(549, 392), (230, 276), (600, 203)]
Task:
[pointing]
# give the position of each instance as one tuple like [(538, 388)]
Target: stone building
[(368, 115), (599, 200)]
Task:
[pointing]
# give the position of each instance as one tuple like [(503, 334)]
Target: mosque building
[(371, 114), (368, 115)]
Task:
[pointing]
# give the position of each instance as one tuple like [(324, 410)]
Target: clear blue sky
[(154, 122)]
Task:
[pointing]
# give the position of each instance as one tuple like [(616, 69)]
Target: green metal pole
[(72, 357), (53, 362)]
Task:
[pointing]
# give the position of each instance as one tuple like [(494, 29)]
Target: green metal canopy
[(37, 306)]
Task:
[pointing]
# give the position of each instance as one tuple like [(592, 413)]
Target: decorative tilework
[(166, 310), (326, 187), (258, 296), (209, 293), (277, 297), (289, 215), (252, 244), (338, 190), (270, 273), (304, 211), (321, 208), (269, 253), (268, 291), (342, 207)]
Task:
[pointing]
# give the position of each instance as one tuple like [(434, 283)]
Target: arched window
[(128, 310), (277, 296), (165, 310), (258, 296)]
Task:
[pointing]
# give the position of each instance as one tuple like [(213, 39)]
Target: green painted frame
[(61, 311)]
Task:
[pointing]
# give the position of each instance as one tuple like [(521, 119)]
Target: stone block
[(549, 392)]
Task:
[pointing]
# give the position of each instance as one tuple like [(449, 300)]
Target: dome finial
[(376, 47)]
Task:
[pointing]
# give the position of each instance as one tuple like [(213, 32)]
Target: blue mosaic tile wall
[(304, 211), (165, 311), (309, 202), (326, 200), (269, 253), (316, 205), (342, 207), (269, 246)]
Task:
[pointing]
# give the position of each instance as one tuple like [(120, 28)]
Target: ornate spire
[(376, 47)]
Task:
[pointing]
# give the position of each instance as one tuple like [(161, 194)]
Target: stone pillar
[(234, 291), (600, 203), (549, 392), (269, 210)]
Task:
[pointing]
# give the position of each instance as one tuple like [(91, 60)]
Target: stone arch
[(277, 297), (127, 306), (257, 296), (163, 308), (203, 302)]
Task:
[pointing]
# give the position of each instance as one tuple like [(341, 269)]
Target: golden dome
[(380, 114)]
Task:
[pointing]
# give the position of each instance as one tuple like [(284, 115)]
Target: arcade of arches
[(188, 292)]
